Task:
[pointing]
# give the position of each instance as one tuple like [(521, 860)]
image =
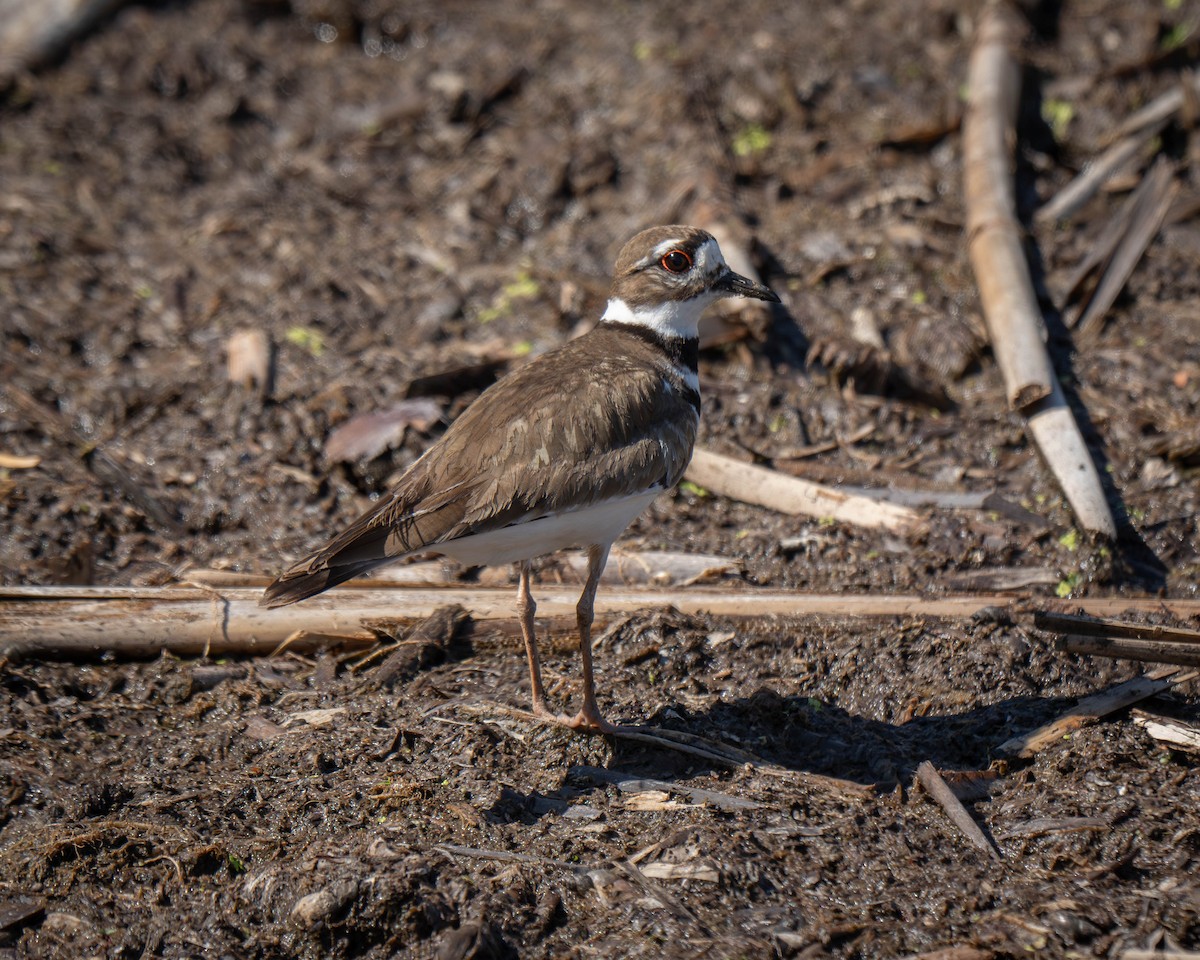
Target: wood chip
[(248, 360), (628, 783), (315, 718), (260, 728), (1185, 736), (10, 461), (689, 870), (653, 800)]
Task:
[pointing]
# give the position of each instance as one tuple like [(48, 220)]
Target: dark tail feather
[(291, 587)]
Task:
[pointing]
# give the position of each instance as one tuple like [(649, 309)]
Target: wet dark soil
[(408, 199)]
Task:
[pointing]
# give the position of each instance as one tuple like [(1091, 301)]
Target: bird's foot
[(585, 721)]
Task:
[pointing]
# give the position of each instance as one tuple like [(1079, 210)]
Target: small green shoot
[(307, 339), (1058, 115), (1067, 585), (750, 140)]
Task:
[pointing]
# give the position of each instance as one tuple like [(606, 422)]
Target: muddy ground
[(392, 191)]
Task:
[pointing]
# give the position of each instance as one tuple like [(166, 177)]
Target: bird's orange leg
[(589, 719), (526, 608)]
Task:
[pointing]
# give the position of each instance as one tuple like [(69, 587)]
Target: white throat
[(671, 318)]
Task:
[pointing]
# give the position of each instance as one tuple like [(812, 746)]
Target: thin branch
[(1145, 651), (187, 621), (937, 788), (1090, 709), (1081, 189), (1101, 627), (995, 243), (791, 495)]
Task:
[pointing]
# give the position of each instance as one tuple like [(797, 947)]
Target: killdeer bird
[(564, 452)]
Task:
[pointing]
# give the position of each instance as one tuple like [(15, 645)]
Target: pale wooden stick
[(994, 238), (791, 495), (1084, 186), (1162, 107), (143, 621), (1054, 430), (1090, 709), (937, 788)]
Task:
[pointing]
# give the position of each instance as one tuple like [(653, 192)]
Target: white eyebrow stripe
[(659, 252), (664, 248)]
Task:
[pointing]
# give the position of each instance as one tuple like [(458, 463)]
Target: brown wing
[(602, 416)]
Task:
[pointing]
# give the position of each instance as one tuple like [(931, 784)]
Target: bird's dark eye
[(676, 262)]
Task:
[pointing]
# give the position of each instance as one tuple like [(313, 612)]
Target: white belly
[(601, 523)]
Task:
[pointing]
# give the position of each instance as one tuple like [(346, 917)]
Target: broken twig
[(791, 495), (994, 238), (1122, 640), (937, 788), (1139, 222), (1093, 708), (1080, 190)]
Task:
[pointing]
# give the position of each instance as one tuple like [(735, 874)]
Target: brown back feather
[(581, 424)]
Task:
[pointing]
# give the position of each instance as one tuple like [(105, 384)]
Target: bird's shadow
[(805, 735), (810, 735)]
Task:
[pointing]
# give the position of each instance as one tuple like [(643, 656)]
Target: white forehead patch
[(709, 258)]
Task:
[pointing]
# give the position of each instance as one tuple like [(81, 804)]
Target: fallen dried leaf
[(367, 435)]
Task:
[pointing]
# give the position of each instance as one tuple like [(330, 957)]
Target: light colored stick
[(33, 33), (1085, 186), (791, 495), (1162, 107), (994, 239), (1054, 430), (142, 621), (937, 788), (1090, 709), (993, 234)]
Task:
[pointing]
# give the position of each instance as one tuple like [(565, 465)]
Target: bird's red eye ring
[(677, 261)]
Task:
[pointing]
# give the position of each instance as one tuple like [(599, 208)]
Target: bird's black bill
[(745, 287)]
